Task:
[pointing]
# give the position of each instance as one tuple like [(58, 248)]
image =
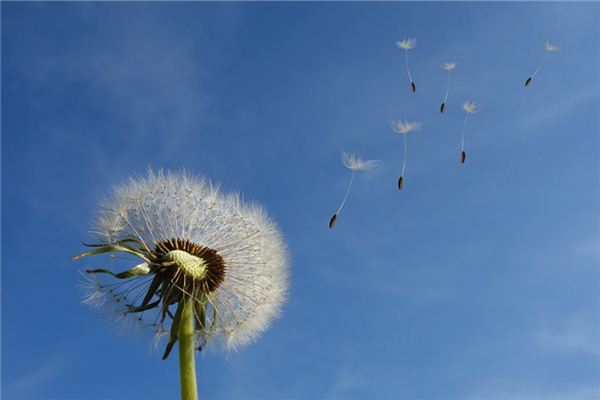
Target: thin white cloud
[(584, 392), (560, 109), (35, 378), (347, 380), (579, 335), (588, 247)]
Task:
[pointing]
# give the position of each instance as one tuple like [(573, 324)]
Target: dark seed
[(528, 81), (413, 87), (443, 107), (401, 183), (332, 221), (463, 157)]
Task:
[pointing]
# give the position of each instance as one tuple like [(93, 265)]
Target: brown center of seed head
[(215, 265)]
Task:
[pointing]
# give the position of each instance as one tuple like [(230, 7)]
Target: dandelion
[(448, 67), (408, 44), (353, 163), (403, 128), (549, 48), (469, 107), (210, 269)]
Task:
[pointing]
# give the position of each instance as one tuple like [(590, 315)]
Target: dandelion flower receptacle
[(448, 67), (548, 48), (469, 107), (406, 45), (210, 270), (403, 128), (353, 163)]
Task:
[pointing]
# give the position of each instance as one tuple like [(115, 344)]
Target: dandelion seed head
[(404, 127), (471, 107), (355, 163), (550, 47), (406, 44), (235, 259), (449, 66)]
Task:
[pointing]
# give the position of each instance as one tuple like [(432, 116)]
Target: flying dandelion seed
[(469, 107), (548, 48), (403, 128), (211, 270), (353, 163), (448, 67), (408, 44)]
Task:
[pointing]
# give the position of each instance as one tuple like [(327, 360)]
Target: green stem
[(187, 362)]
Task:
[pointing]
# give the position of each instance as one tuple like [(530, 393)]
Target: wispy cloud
[(578, 335), (151, 85), (347, 380), (32, 380), (558, 110), (584, 392)]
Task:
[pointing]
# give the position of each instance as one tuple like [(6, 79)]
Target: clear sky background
[(479, 281)]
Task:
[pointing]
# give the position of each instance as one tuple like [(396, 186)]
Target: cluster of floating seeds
[(354, 162)]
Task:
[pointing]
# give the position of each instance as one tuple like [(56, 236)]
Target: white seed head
[(449, 66), (471, 107), (355, 163), (403, 127), (178, 205), (406, 44), (550, 47)]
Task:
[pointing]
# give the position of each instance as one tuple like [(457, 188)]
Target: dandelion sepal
[(187, 364), (138, 270), (200, 313), (112, 249), (154, 285), (174, 335), (144, 307), (122, 241)]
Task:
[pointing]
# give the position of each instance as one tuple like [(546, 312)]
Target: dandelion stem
[(462, 138), (405, 153), (407, 67), (541, 64), (347, 193), (187, 361), (447, 88)]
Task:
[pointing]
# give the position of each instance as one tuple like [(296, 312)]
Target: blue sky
[(479, 281)]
